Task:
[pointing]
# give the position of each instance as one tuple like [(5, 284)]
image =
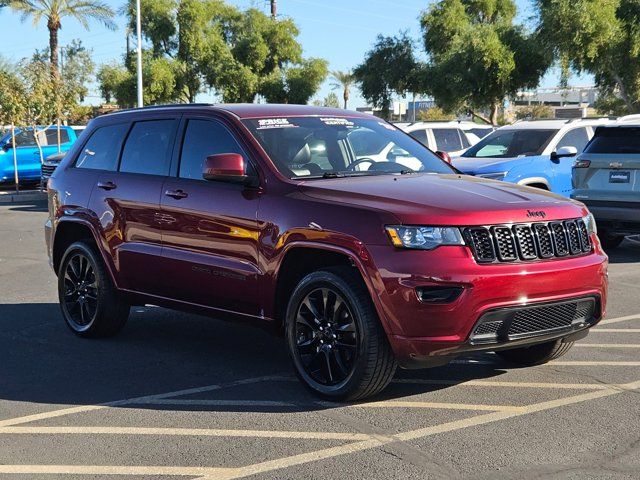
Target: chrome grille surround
[(526, 242)]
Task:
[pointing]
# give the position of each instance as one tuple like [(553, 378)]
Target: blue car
[(27, 152), (533, 153)]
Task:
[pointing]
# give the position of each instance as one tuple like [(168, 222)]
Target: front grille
[(514, 323), (47, 170), (528, 242)]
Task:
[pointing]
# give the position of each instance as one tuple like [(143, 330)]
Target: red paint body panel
[(220, 248)]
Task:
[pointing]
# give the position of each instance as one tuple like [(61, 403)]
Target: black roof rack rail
[(162, 106)]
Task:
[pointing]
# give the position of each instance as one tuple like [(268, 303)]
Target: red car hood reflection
[(421, 199)]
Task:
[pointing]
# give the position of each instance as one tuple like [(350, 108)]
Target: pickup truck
[(29, 157)]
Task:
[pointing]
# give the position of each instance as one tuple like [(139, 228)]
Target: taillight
[(582, 164)]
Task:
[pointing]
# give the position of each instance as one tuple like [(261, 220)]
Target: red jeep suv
[(289, 216)]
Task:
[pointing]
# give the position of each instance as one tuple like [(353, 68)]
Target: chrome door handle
[(107, 185), (177, 194)]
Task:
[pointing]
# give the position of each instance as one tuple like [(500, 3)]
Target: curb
[(8, 198)]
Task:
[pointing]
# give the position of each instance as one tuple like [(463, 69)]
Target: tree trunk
[(494, 114), (53, 47), (345, 95), (623, 93), (481, 117)]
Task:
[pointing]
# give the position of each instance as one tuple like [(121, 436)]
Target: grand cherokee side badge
[(536, 214)]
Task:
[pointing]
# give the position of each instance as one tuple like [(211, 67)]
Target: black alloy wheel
[(80, 291), (327, 336)]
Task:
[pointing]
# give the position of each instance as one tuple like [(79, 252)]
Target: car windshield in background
[(615, 140), (511, 143), (326, 147)]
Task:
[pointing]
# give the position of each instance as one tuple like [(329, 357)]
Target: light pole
[(139, 52)]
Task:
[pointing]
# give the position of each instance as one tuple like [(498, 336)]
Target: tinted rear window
[(615, 140), (147, 148), (102, 150), (447, 139)]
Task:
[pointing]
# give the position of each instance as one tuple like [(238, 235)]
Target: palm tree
[(343, 80), (55, 10)]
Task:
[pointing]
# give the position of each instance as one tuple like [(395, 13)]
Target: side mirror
[(563, 152), (444, 156), (225, 167), (7, 146)]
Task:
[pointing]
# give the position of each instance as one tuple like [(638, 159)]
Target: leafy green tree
[(600, 37), (331, 100), (199, 44), (54, 11), (435, 114), (478, 56), (343, 80), (295, 84), (389, 68)]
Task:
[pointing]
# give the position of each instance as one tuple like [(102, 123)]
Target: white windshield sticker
[(266, 123), (387, 126), (336, 121)]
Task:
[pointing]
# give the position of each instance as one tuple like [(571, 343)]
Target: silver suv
[(606, 177)]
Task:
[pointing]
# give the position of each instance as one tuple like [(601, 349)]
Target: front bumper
[(423, 333)]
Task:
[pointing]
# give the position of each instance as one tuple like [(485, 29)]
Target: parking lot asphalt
[(184, 396)]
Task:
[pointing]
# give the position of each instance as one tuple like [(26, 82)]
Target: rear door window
[(103, 147), (614, 140), (421, 136), (447, 139), (52, 136), (147, 149), (578, 138)]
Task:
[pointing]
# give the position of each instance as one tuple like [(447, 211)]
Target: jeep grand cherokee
[(272, 213)]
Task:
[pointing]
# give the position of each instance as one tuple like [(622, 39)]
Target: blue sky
[(341, 31)]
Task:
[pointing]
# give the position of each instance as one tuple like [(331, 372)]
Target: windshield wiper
[(332, 175)]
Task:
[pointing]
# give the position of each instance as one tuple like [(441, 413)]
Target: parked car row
[(289, 216), (48, 143)]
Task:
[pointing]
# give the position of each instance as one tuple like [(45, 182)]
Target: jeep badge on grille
[(536, 214)]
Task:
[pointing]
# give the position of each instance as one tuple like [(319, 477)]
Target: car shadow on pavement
[(161, 351), (40, 207), (627, 252)]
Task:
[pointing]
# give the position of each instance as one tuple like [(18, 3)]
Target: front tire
[(536, 354), (338, 346), (91, 306)]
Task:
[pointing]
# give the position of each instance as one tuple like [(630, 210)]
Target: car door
[(27, 156), (561, 167), (209, 232), (127, 199)]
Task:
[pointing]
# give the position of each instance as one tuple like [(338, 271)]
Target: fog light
[(438, 294)]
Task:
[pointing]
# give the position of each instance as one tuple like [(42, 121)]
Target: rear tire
[(536, 354), (336, 342), (91, 306), (609, 241)]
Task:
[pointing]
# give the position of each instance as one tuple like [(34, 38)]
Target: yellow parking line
[(286, 462), (212, 472), (87, 408), (614, 330), (608, 321), (607, 345), (191, 432), (494, 383), (593, 363), (438, 405)]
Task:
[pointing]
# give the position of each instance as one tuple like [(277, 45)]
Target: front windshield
[(326, 147), (511, 143)]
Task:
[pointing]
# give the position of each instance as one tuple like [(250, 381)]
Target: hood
[(475, 166), (429, 199)]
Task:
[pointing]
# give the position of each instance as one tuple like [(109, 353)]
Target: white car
[(439, 136)]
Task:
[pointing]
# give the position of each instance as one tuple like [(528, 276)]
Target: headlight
[(424, 238), (590, 222), (493, 176)]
